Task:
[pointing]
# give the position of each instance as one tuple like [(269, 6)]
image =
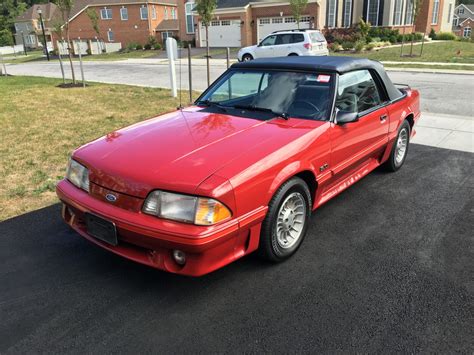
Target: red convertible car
[(241, 170)]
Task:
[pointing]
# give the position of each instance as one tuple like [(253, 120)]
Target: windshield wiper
[(210, 103), (262, 109)]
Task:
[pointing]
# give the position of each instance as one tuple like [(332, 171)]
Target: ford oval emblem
[(111, 197)]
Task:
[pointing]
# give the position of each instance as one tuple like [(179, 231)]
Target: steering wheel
[(307, 103)]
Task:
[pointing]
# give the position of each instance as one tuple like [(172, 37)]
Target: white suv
[(284, 43)]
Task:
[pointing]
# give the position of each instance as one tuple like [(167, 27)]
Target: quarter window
[(297, 38), (106, 14), (357, 92)]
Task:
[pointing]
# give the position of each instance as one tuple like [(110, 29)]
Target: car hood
[(176, 151)]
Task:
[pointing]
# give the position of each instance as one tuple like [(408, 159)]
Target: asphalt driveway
[(386, 266)]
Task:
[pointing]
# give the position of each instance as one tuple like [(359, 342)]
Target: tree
[(65, 7), (205, 9), (297, 9), (416, 10), (92, 14), (6, 37)]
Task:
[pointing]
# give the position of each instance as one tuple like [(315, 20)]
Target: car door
[(283, 45), (266, 47), (357, 143)]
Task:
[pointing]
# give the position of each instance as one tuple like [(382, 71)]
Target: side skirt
[(358, 174)]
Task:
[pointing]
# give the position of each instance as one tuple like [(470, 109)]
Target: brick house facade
[(463, 20)]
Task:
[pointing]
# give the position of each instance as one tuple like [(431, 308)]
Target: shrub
[(445, 36), (152, 41), (89, 51), (335, 47), (368, 39), (432, 34), (138, 47), (131, 46), (418, 36), (147, 46), (393, 39), (370, 46), (157, 47), (348, 45), (359, 46)]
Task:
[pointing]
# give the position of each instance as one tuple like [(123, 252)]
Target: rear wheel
[(400, 148), (292, 55), (247, 57), (286, 223)]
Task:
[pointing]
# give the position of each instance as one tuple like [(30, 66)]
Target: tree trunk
[(207, 56), (70, 55)]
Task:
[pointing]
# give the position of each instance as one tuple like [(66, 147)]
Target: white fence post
[(171, 50)]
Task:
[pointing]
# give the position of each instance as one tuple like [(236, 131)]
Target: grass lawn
[(121, 56), (42, 124), (445, 52), (22, 58)]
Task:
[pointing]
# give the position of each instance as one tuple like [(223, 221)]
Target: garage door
[(267, 25), (224, 33)]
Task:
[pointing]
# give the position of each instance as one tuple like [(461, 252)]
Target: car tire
[(400, 148), (292, 55), (247, 57), (289, 212)]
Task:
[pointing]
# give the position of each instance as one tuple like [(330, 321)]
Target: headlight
[(185, 208), (78, 174)]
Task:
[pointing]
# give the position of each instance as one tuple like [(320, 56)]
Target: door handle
[(383, 118)]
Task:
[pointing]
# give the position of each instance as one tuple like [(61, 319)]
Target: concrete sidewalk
[(445, 131)]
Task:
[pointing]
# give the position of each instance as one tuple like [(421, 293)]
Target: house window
[(173, 13), (397, 13), (153, 12), (372, 15), (106, 14), (461, 11), (144, 12), (466, 32), (110, 35), (225, 23), (289, 19), (215, 23), (264, 21), (124, 14), (305, 19), (434, 14), (449, 12), (331, 16), (347, 16), (188, 8), (409, 13), (456, 21), (277, 20), (166, 13)]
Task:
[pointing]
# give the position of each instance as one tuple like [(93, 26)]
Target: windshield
[(282, 93)]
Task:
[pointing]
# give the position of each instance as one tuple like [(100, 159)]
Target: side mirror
[(343, 117)]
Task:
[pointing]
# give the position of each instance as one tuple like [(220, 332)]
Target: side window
[(297, 38), (357, 92), (269, 41), (284, 39)]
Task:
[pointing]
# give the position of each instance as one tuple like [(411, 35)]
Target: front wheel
[(400, 148), (285, 225)]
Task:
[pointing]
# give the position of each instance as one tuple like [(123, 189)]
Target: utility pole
[(40, 13)]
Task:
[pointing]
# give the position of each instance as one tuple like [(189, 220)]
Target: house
[(28, 26), (124, 21), (245, 22), (463, 20)]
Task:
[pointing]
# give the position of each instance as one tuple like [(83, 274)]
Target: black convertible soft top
[(332, 64)]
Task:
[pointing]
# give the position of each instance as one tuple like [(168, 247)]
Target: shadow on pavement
[(387, 265)]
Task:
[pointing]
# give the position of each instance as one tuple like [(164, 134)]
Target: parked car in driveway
[(287, 43), (240, 170)]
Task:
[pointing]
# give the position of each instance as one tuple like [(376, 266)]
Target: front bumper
[(151, 241)]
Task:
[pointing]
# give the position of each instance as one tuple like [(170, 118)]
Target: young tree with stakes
[(205, 9), (297, 9), (65, 7)]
